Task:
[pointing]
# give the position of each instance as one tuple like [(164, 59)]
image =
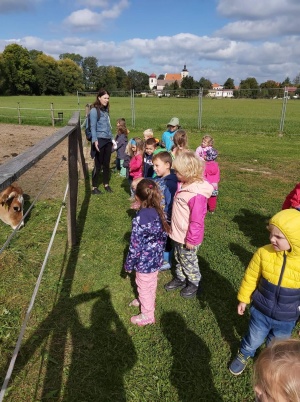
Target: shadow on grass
[(244, 255), (253, 226), (190, 372), (221, 297), (100, 354)]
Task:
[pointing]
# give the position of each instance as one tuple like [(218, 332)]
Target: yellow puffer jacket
[(272, 279)]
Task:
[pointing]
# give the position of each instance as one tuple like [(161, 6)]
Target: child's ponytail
[(149, 194)]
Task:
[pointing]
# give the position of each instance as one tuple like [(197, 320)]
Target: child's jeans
[(187, 266), (261, 328), (146, 286)]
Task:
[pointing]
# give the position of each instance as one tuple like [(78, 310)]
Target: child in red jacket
[(293, 199)]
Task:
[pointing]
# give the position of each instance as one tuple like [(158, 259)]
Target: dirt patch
[(15, 139)]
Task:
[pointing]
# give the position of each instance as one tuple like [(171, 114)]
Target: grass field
[(218, 115), (80, 346)]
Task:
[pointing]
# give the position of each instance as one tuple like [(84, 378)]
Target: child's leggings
[(212, 203), (146, 286), (187, 266)]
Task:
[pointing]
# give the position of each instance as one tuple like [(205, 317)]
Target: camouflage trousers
[(187, 265)]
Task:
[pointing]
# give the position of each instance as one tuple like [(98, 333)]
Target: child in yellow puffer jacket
[(272, 284)]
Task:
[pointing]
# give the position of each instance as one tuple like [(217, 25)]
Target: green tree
[(139, 81), (90, 73), (205, 84), (120, 76), (49, 77), (111, 79), (249, 88), (72, 56), (17, 70), (72, 76), (34, 53), (269, 89), (188, 84), (286, 82), (229, 84)]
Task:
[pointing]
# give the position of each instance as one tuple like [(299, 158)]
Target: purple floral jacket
[(147, 242)]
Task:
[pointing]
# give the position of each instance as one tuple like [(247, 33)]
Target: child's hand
[(241, 308), (189, 246)]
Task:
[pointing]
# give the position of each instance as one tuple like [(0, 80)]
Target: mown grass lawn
[(80, 345), (253, 116)]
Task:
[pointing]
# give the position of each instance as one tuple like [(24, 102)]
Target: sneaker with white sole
[(238, 364), (141, 320)]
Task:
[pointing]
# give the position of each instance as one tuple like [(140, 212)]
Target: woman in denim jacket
[(102, 140)]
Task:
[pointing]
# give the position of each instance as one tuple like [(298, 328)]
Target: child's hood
[(147, 215), (288, 222), (203, 188), (171, 178), (211, 167)]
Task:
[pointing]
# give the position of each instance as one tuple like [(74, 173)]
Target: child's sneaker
[(142, 320), (165, 266), (134, 303), (238, 364)]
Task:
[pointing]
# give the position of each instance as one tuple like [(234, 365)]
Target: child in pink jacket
[(212, 175), (187, 222)]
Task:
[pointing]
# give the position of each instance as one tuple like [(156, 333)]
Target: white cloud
[(15, 6), (87, 20), (93, 3), (258, 9)]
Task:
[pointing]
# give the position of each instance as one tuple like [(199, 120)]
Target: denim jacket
[(102, 127)]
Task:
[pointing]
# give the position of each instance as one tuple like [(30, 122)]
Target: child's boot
[(174, 284), (189, 291)]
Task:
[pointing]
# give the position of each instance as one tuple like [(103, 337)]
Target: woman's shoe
[(108, 189), (96, 191)]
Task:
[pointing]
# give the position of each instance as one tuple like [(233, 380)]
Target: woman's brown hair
[(97, 102)]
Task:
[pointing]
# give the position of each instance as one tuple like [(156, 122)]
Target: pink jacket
[(212, 173), (136, 166), (188, 213)]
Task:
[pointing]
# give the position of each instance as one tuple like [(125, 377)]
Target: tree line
[(32, 72)]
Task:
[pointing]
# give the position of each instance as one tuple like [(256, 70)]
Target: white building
[(169, 78)]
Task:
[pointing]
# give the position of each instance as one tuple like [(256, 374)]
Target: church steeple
[(184, 72)]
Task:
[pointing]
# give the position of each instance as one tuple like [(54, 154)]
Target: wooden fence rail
[(14, 168)]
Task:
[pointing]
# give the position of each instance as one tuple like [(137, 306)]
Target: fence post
[(52, 114), (132, 108), (283, 110), (19, 114), (200, 108), (73, 184)]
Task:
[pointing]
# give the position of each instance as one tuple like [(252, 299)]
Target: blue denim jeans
[(263, 328)]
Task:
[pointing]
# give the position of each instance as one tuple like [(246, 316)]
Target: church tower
[(152, 81), (184, 72)]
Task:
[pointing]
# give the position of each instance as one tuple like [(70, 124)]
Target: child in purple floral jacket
[(147, 244)]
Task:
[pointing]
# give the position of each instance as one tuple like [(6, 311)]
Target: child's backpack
[(88, 132)]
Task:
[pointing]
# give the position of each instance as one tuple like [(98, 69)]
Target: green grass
[(218, 115), (80, 345)]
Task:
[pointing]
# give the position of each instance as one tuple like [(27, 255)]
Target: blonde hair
[(189, 166), (209, 139), (277, 370), (148, 133), (150, 196)]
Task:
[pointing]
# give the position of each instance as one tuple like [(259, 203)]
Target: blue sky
[(216, 39)]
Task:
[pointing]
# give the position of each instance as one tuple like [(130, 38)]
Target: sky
[(215, 39)]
